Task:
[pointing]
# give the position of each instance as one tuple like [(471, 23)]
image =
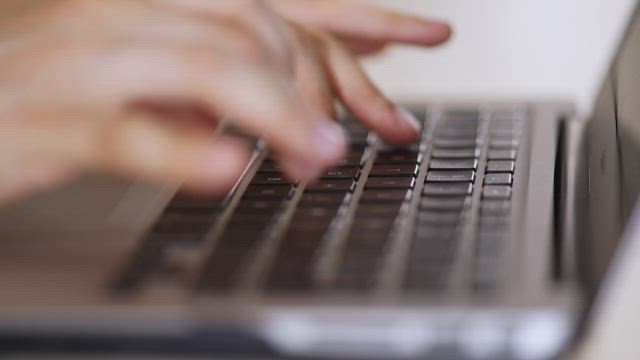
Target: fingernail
[(329, 140), (409, 119)]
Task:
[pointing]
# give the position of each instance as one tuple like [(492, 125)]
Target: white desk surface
[(518, 49)]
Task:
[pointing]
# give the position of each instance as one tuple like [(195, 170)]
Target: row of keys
[(495, 209), (292, 269), (182, 227), (445, 198), (389, 185), (266, 195)]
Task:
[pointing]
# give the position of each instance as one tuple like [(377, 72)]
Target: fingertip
[(220, 167), (402, 128)]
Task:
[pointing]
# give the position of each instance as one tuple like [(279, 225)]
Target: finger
[(311, 76), (257, 97), (365, 21), (364, 100), (30, 178), (164, 153), (183, 113), (363, 47), (254, 16)]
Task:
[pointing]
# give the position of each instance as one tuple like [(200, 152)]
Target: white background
[(507, 49)]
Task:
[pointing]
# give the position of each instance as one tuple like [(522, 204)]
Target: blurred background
[(500, 49)]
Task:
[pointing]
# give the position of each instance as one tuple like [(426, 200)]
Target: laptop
[(487, 238)]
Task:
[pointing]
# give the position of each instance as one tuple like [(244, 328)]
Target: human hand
[(89, 84)]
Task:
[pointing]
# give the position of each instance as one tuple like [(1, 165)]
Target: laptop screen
[(614, 154)]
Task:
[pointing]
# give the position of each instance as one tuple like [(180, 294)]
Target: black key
[(493, 221), (448, 189), (495, 206), (384, 196), (464, 164), (496, 191), (252, 219), (250, 205), (394, 170), (445, 203), (267, 191), (457, 134), (456, 153), (270, 167), (439, 234), (503, 144), (270, 179), (504, 136), (186, 201), (322, 199), (365, 223), (335, 185), (455, 143), (351, 160), (438, 217), (316, 212), (341, 173), (390, 183), (500, 166), (498, 179), (462, 114), (398, 156), (502, 154), (451, 176), (376, 210)]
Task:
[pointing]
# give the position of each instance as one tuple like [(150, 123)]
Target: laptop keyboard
[(385, 218)]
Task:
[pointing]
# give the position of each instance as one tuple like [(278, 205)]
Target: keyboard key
[(186, 201), (270, 179), (455, 143), (350, 160), (460, 134), (464, 164), (317, 199), (266, 192), (250, 205), (244, 219), (451, 176), (398, 156), (498, 179), (500, 166), (393, 170), (503, 143), (384, 196), (461, 113), (502, 154), (336, 185), (445, 203), (390, 183), (341, 173), (376, 210), (438, 217), (495, 206), (270, 167), (456, 153), (496, 191), (451, 189)]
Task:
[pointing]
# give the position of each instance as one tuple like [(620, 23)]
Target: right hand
[(89, 84)]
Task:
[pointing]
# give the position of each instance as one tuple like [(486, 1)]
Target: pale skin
[(136, 88)]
